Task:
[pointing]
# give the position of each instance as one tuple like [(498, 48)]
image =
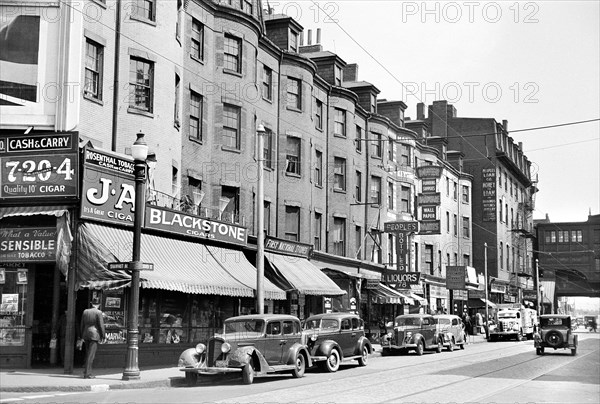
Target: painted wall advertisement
[(489, 194), (24, 243), (41, 165)]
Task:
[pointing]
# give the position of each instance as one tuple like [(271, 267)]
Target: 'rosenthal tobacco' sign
[(194, 226)]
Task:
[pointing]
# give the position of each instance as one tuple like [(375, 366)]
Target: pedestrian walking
[(92, 332)]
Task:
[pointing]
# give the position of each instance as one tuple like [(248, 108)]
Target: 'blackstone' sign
[(194, 226)]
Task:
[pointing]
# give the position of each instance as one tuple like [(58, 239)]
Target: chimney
[(351, 72), (420, 111), (505, 125), (521, 146), (309, 37), (302, 38), (318, 36)]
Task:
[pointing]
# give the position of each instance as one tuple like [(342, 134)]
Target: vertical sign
[(489, 194), (402, 230)]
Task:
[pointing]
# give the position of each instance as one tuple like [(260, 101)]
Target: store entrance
[(42, 315)]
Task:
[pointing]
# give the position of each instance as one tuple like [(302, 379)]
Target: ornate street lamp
[(139, 152), (260, 218)]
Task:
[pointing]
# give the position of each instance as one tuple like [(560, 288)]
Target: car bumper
[(211, 370)]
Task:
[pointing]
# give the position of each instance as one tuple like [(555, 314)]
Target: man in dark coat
[(92, 332)]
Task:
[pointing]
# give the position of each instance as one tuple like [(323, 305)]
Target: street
[(499, 372)]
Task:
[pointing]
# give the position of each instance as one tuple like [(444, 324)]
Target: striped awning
[(181, 266), (388, 295), (352, 271), (54, 210), (296, 273)]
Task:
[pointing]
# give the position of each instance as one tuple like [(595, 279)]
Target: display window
[(13, 306)]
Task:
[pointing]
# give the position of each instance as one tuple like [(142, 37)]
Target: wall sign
[(488, 190), (108, 193), (455, 277), (25, 243), (288, 247), (430, 227), (429, 172), (39, 166), (194, 226)]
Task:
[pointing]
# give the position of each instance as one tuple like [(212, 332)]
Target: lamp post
[(485, 279), (537, 285), (260, 218), (139, 152)]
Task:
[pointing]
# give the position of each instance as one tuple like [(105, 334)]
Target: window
[(231, 211), (466, 227), (339, 128), (390, 149), (247, 6), (318, 231), (195, 192), (390, 196), (405, 158), (377, 144), (144, 9), (429, 258), (500, 207), (466, 259), (376, 190), (507, 257), (174, 181), (267, 218), (390, 249), (176, 119), (337, 72), (294, 93), (563, 236), (141, 83), (318, 167), (339, 174), (506, 213), (455, 225), (465, 193), (339, 236), (447, 186), (358, 196), (358, 138), (405, 199), (448, 222), (178, 23), (231, 126), (196, 106), (292, 223), (233, 55), (455, 259), (293, 42), (512, 217), (197, 40), (373, 103), (268, 148), (293, 155), (267, 83), (454, 190), (318, 114), (576, 236), (358, 240), (550, 236), (94, 60), (501, 252)]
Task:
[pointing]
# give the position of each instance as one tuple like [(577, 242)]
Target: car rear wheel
[(332, 364), (247, 374), (362, 361), (300, 366), (191, 379), (554, 339), (419, 348)]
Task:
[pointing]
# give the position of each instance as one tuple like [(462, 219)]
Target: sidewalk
[(53, 379)]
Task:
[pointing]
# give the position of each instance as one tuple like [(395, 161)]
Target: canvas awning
[(391, 296), (548, 290), (422, 301), (297, 273), (480, 302), (352, 271), (54, 210), (181, 266)]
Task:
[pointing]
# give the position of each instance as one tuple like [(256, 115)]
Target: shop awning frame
[(297, 273), (52, 210), (480, 302), (351, 271)]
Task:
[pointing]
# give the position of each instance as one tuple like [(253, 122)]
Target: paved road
[(500, 372)]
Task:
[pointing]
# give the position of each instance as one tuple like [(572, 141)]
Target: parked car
[(452, 330), (335, 337), (416, 332), (254, 345), (555, 332)]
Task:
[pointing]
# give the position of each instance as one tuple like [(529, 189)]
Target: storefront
[(309, 290)]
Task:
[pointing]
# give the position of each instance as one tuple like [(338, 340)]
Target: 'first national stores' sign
[(40, 166)]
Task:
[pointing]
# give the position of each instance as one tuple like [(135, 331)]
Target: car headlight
[(313, 338), (200, 348), (226, 347), (409, 334)]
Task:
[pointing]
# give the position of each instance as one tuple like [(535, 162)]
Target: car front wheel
[(247, 374), (362, 361), (332, 364), (419, 348), (300, 366), (439, 348), (451, 346)]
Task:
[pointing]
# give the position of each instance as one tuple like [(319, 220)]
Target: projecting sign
[(429, 172), (288, 247), (428, 186), (455, 277), (44, 165), (401, 279), (399, 227), (429, 199), (429, 227), (429, 212)]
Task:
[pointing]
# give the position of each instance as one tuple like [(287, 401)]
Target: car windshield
[(553, 321), (507, 315), (402, 321), (323, 324), (247, 327)]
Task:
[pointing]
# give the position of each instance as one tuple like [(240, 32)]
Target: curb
[(171, 382)]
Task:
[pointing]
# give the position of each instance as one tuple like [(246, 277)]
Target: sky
[(534, 64)]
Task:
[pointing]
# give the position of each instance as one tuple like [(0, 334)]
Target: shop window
[(13, 306)]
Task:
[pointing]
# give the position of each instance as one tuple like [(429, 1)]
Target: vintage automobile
[(452, 330), (335, 337), (254, 345), (555, 332), (416, 332)]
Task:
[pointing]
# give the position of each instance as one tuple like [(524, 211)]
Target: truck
[(514, 320)]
